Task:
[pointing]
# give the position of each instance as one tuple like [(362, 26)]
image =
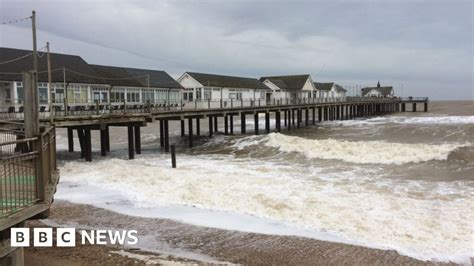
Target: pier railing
[(27, 166), (98, 108)]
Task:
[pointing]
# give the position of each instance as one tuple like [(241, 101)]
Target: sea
[(403, 181)]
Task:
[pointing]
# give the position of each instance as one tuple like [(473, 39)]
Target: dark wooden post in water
[(320, 114), (210, 126), (107, 138), (278, 121), (242, 123), (70, 139), (173, 156), (426, 107), (88, 144), (138, 142), (267, 122), (162, 133), (314, 115), (80, 136), (166, 135), (103, 143), (190, 129), (226, 124), (285, 117), (231, 124), (198, 126), (216, 127), (255, 121), (414, 107), (403, 107), (131, 150), (182, 128)]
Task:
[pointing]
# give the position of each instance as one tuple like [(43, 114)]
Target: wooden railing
[(27, 168)]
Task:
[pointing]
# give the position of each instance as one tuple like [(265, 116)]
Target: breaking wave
[(363, 152)]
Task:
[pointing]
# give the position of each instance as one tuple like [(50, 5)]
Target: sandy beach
[(180, 243)]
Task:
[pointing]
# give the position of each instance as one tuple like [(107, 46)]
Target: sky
[(422, 48)]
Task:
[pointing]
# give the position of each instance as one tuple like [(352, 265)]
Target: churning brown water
[(402, 182)]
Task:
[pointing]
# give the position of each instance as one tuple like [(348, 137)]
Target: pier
[(288, 116)]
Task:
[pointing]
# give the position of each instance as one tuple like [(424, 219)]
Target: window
[(20, 92), (262, 95), (207, 94)]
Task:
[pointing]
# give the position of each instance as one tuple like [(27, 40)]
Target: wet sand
[(188, 244)]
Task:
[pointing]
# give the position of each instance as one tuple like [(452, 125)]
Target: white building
[(379, 91), (76, 82), (330, 91), (290, 88), (212, 90)]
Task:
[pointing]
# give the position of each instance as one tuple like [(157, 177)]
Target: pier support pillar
[(226, 125), (166, 135), (190, 130), (70, 139), (306, 117), (182, 128), (267, 122), (426, 107), (138, 141), (278, 121), (242, 123), (292, 116), (313, 110), (103, 143), (80, 136), (320, 114), (210, 126), (88, 144), (338, 112), (231, 124), (162, 137), (216, 125), (198, 126), (131, 150), (298, 118), (255, 121), (342, 112), (414, 107), (284, 118), (289, 118), (403, 107), (107, 139)]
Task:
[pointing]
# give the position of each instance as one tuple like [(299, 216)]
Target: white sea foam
[(420, 120), (357, 206), (365, 152)]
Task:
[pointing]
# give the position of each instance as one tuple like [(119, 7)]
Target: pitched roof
[(339, 88), (386, 90), (134, 77), (212, 80), (327, 86), (72, 63), (291, 82)]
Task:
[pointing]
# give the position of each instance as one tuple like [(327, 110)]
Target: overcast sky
[(422, 48)]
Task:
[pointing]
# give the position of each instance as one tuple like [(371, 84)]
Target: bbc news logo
[(66, 237)]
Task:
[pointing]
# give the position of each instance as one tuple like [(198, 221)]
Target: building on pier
[(82, 84), (290, 87), (330, 91), (378, 91), (212, 89), (136, 86)]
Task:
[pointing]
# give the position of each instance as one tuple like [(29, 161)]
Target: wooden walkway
[(287, 117)]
